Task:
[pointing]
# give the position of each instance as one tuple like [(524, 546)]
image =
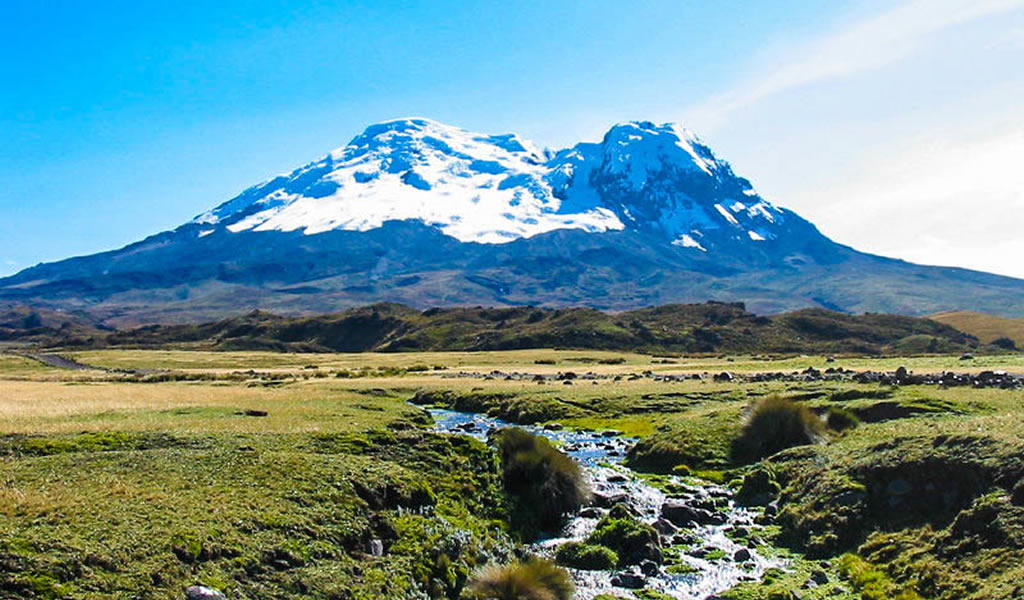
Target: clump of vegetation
[(589, 557), (533, 579), (632, 540), (546, 483), (872, 583), (776, 423), (700, 442), (759, 487), (840, 419)]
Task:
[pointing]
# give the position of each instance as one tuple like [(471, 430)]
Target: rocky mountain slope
[(426, 214)]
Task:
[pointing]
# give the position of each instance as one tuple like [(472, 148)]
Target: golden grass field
[(985, 327)]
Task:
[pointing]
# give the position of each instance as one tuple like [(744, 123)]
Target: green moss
[(632, 540), (872, 583), (586, 556)]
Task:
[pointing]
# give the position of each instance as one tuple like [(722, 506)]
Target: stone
[(609, 500), (664, 527), (201, 592), (629, 580), (683, 515), (819, 577), (376, 548), (649, 568), (741, 555)]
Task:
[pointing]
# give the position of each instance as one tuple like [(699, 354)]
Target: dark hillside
[(708, 327)]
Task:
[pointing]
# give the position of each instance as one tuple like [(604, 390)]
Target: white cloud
[(949, 201), (900, 135), (864, 46)]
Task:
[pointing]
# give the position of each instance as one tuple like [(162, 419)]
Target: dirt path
[(60, 362)]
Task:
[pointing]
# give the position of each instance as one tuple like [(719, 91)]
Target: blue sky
[(897, 127)]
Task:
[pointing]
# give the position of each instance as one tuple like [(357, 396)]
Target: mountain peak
[(487, 188), (421, 212)]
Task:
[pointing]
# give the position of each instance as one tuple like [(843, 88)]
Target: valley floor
[(313, 476)]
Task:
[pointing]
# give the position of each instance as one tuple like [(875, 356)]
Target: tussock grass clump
[(533, 579), (546, 482), (776, 423)]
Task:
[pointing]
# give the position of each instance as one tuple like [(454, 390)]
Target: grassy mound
[(929, 505), (631, 540), (589, 557)]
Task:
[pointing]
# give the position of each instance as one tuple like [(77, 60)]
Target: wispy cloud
[(863, 46)]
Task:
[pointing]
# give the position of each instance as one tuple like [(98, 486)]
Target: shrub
[(776, 423), (533, 579), (840, 419), (586, 556), (546, 483)]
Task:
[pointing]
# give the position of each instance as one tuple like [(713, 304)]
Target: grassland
[(274, 482), (986, 328)]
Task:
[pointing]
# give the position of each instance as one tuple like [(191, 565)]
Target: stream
[(716, 563)]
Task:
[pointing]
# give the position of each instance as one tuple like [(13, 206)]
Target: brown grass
[(983, 326)]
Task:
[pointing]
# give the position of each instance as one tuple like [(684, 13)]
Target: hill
[(682, 328), (985, 327)]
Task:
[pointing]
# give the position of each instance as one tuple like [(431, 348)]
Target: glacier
[(494, 189)]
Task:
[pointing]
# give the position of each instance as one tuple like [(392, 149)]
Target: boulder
[(683, 515)]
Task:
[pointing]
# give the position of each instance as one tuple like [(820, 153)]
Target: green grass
[(113, 488)]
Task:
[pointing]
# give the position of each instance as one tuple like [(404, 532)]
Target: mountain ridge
[(426, 214)]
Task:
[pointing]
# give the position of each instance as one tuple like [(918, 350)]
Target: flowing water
[(602, 459)]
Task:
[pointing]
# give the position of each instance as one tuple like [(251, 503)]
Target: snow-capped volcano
[(426, 214), (471, 186), (498, 188)]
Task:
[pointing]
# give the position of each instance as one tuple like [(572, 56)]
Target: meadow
[(312, 475)]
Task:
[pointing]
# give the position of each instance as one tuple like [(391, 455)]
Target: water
[(602, 460)]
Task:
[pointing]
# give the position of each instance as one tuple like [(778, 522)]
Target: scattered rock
[(741, 555), (629, 580), (608, 500), (376, 548), (664, 527), (683, 515), (201, 592)]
